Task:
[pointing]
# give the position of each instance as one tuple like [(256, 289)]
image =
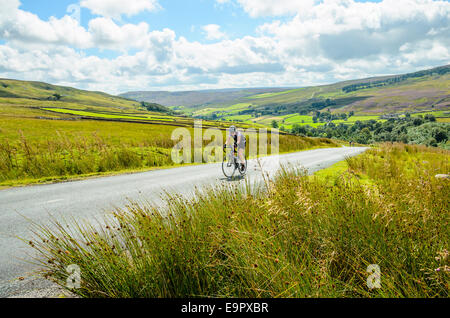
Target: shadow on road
[(234, 179)]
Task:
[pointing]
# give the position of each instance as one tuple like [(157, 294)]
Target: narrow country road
[(92, 198)]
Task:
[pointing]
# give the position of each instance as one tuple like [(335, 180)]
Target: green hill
[(195, 99), (24, 98), (380, 95), (371, 98), (427, 90)]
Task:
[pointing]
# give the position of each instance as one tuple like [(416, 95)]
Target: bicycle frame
[(233, 160)]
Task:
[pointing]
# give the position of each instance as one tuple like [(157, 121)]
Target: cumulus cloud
[(106, 33), (258, 8), (117, 8), (344, 30), (213, 32), (318, 42)]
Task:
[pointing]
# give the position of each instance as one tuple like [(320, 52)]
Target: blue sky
[(199, 44), (185, 17)]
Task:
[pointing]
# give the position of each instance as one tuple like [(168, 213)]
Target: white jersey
[(236, 137)]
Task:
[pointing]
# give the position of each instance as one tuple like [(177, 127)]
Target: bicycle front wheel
[(243, 172), (229, 166)]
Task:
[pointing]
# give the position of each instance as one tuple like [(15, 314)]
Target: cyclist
[(240, 142)]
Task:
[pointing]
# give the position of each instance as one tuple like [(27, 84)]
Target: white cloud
[(213, 32), (107, 34), (9, 7), (322, 42), (117, 8), (259, 8)]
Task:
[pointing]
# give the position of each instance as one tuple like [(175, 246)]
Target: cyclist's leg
[(241, 154)]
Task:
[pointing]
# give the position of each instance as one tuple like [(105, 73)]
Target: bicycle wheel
[(243, 172), (229, 165)]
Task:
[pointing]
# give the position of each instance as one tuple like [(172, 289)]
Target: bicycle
[(231, 164)]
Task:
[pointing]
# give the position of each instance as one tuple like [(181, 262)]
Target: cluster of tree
[(394, 80), (152, 107), (324, 104), (324, 117), (55, 97), (414, 130)]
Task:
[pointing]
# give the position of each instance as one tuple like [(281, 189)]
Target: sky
[(117, 46)]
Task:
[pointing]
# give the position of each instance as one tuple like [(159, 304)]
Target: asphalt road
[(92, 198)]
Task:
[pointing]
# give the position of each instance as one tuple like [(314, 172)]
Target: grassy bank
[(297, 236), (33, 150)]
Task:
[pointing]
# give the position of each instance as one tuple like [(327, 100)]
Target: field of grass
[(109, 115), (223, 111), (39, 150), (288, 121), (51, 133), (296, 236), (271, 94)]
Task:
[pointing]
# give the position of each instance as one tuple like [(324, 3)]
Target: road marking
[(53, 201)]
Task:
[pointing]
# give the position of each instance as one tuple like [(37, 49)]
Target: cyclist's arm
[(229, 141)]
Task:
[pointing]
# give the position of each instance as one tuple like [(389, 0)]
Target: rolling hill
[(427, 90), (198, 98), (37, 100), (24, 97)]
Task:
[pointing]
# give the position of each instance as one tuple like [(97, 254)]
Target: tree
[(275, 124), (440, 135), (364, 136), (430, 118), (418, 121), (54, 97)]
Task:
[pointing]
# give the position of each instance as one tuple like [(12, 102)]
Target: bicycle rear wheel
[(229, 166)]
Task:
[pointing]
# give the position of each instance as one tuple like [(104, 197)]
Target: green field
[(109, 115), (89, 133), (288, 121), (42, 150)]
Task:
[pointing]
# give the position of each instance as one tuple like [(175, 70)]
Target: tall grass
[(77, 155), (295, 236), (34, 149)]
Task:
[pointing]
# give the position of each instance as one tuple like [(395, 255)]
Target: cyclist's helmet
[(233, 129)]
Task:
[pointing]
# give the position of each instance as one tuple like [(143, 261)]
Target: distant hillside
[(419, 91), (424, 90), (198, 98), (38, 95)]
